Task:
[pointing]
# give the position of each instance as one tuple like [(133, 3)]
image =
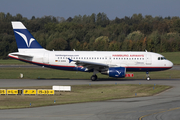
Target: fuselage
[(132, 61)]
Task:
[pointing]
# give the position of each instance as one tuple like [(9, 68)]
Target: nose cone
[(170, 64)]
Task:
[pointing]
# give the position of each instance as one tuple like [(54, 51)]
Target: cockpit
[(161, 58)]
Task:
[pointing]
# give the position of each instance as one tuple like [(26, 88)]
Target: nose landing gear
[(147, 76)]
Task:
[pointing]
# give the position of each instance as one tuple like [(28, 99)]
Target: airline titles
[(127, 55)]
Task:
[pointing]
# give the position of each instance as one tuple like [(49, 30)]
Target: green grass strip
[(79, 94), (46, 73)]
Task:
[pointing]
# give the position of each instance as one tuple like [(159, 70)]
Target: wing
[(89, 65)]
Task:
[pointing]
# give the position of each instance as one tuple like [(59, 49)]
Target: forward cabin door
[(148, 59)]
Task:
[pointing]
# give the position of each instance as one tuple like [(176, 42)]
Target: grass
[(172, 56), (46, 73), (79, 94), (12, 62)]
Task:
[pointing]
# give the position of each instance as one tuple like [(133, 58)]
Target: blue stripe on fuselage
[(139, 69)]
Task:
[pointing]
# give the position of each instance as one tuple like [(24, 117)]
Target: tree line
[(95, 32)]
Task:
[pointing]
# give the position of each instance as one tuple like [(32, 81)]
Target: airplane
[(112, 63)]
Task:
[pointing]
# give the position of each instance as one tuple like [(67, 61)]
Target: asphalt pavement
[(164, 106)]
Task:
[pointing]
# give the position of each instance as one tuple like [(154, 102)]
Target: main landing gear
[(147, 76), (94, 77)]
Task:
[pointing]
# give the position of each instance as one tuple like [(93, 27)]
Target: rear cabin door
[(46, 58)]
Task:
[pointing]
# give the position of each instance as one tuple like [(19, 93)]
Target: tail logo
[(25, 39)]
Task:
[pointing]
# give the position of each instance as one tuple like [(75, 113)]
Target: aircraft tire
[(94, 77), (148, 78)]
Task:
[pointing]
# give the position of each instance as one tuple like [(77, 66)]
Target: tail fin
[(25, 41)]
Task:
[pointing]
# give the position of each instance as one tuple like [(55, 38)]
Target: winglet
[(70, 60)]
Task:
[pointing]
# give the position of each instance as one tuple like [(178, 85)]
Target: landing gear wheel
[(148, 78), (94, 77)]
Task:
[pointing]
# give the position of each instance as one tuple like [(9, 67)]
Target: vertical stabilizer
[(25, 41)]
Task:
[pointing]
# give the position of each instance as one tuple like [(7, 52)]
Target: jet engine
[(117, 72)]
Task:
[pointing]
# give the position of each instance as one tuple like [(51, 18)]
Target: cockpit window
[(161, 58)]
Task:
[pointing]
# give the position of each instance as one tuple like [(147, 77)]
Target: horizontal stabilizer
[(21, 55)]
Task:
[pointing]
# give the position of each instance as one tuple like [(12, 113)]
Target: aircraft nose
[(170, 64)]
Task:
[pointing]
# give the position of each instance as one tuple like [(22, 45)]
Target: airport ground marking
[(171, 109)]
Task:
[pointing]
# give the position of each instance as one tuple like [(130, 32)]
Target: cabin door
[(148, 59)]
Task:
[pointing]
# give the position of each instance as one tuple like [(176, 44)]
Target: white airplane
[(112, 63)]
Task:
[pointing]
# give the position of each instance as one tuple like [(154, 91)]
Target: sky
[(70, 8)]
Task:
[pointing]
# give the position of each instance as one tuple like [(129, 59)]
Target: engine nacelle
[(117, 72)]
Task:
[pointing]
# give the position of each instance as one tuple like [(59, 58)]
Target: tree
[(155, 41), (114, 46), (136, 35), (19, 17), (2, 16), (93, 18), (69, 19), (101, 43), (57, 44), (177, 25)]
